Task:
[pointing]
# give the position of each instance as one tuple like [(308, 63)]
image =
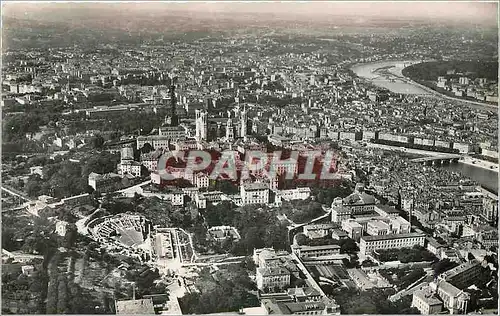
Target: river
[(388, 74), (488, 179)]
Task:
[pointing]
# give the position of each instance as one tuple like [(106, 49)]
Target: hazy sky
[(456, 10)]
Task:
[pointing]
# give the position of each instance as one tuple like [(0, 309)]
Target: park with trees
[(373, 301), (405, 255), (64, 178), (227, 290)]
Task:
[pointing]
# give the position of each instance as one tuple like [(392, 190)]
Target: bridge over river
[(438, 160)]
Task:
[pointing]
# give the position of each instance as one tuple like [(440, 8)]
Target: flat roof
[(378, 224), (393, 236), (305, 247), (255, 186), (321, 226)]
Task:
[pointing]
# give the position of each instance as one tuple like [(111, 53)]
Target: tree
[(52, 296), (62, 298), (8, 239), (368, 263), (301, 239), (299, 283), (361, 306), (97, 141), (147, 148), (470, 256), (412, 277), (71, 236), (248, 264), (229, 293), (34, 187), (348, 245), (277, 236)]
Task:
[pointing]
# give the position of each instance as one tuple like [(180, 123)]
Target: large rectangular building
[(105, 182), (314, 231), (166, 135), (315, 251), (272, 277), (295, 194), (426, 302), (254, 193), (353, 229), (377, 228), (454, 299), (463, 275), (368, 244)]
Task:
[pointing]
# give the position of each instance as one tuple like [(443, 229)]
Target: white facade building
[(295, 194), (129, 167), (201, 125), (254, 193), (368, 244), (201, 180)]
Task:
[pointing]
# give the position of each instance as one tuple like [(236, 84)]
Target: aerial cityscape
[(250, 158)]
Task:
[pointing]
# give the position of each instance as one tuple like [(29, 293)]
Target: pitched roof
[(273, 271), (359, 198), (427, 296)]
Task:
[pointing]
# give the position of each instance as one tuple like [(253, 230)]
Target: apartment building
[(368, 244), (129, 167), (201, 201), (272, 277), (201, 180), (254, 193), (150, 160), (104, 182), (177, 198), (340, 213), (314, 231), (295, 194), (434, 246), (165, 136), (172, 132)]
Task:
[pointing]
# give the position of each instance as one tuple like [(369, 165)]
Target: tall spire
[(174, 120)]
